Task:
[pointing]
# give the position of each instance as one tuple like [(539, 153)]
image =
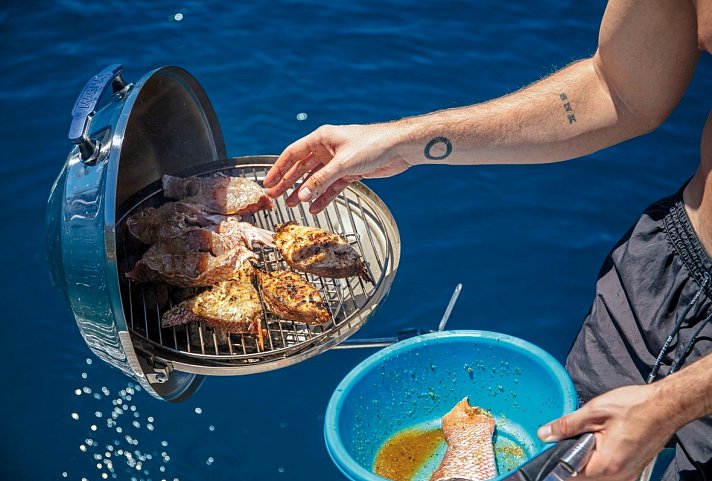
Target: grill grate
[(356, 215)]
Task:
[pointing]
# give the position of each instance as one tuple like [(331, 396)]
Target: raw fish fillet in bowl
[(414, 383)]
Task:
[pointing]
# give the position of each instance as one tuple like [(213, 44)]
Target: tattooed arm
[(646, 56)]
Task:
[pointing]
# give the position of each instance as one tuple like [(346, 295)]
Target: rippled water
[(525, 242)]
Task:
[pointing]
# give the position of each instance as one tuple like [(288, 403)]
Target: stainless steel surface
[(574, 460), (387, 341), (161, 125), (165, 124), (448, 309), (560, 473), (357, 214)]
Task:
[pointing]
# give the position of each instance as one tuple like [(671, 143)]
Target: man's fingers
[(577, 422), (295, 173), (321, 179), (299, 150)]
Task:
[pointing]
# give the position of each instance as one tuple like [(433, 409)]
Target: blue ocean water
[(525, 242)]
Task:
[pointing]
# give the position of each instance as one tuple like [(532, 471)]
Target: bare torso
[(698, 194)]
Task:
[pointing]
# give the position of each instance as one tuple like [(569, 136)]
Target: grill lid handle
[(85, 107)]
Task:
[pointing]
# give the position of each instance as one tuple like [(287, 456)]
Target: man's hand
[(630, 425), (333, 157)]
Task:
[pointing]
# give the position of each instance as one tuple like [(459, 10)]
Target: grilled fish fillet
[(318, 252), (168, 220), (470, 453), (197, 257), (218, 193), (289, 296), (200, 256), (231, 306)]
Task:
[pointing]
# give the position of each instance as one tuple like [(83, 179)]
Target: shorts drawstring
[(678, 323)]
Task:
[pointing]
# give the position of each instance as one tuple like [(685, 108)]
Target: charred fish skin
[(316, 251), (249, 233), (291, 297), (170, 219), (195, 258), (218, 193), (470, 454)]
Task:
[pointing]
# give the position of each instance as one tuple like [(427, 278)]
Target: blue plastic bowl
[(413, 383)]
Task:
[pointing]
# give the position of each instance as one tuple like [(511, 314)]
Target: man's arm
[(633, 423), (646, 56)]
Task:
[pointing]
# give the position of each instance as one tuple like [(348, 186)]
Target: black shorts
[(651, 276)]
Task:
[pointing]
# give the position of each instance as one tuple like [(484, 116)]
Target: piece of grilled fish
[(230, 306), (290, 296), (218, 193), (318, 252), (249, 233), (200, 256), (469, 455), (170, 219), (197, 257)]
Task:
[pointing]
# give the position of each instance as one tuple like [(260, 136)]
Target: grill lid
[(127, 136)]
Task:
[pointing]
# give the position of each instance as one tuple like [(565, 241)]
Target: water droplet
[(302, 116), (150, 419), (93, 427), (82, 448), (209, 461), (149, 426), (89, 361), (281, 470), (75, 416), (164, 443), (64, 474), (198, 411), (78, 392), (84, 375), (211, 428), (178, 17), (86, 390)]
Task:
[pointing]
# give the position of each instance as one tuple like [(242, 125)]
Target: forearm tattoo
[(438, 149), (567, 108)]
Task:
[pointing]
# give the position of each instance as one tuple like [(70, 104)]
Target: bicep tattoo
[(438, 148), (567, 108)]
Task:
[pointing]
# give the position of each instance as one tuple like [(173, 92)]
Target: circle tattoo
[(436, 142)]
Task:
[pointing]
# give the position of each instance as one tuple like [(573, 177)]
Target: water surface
[(525, 242)]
